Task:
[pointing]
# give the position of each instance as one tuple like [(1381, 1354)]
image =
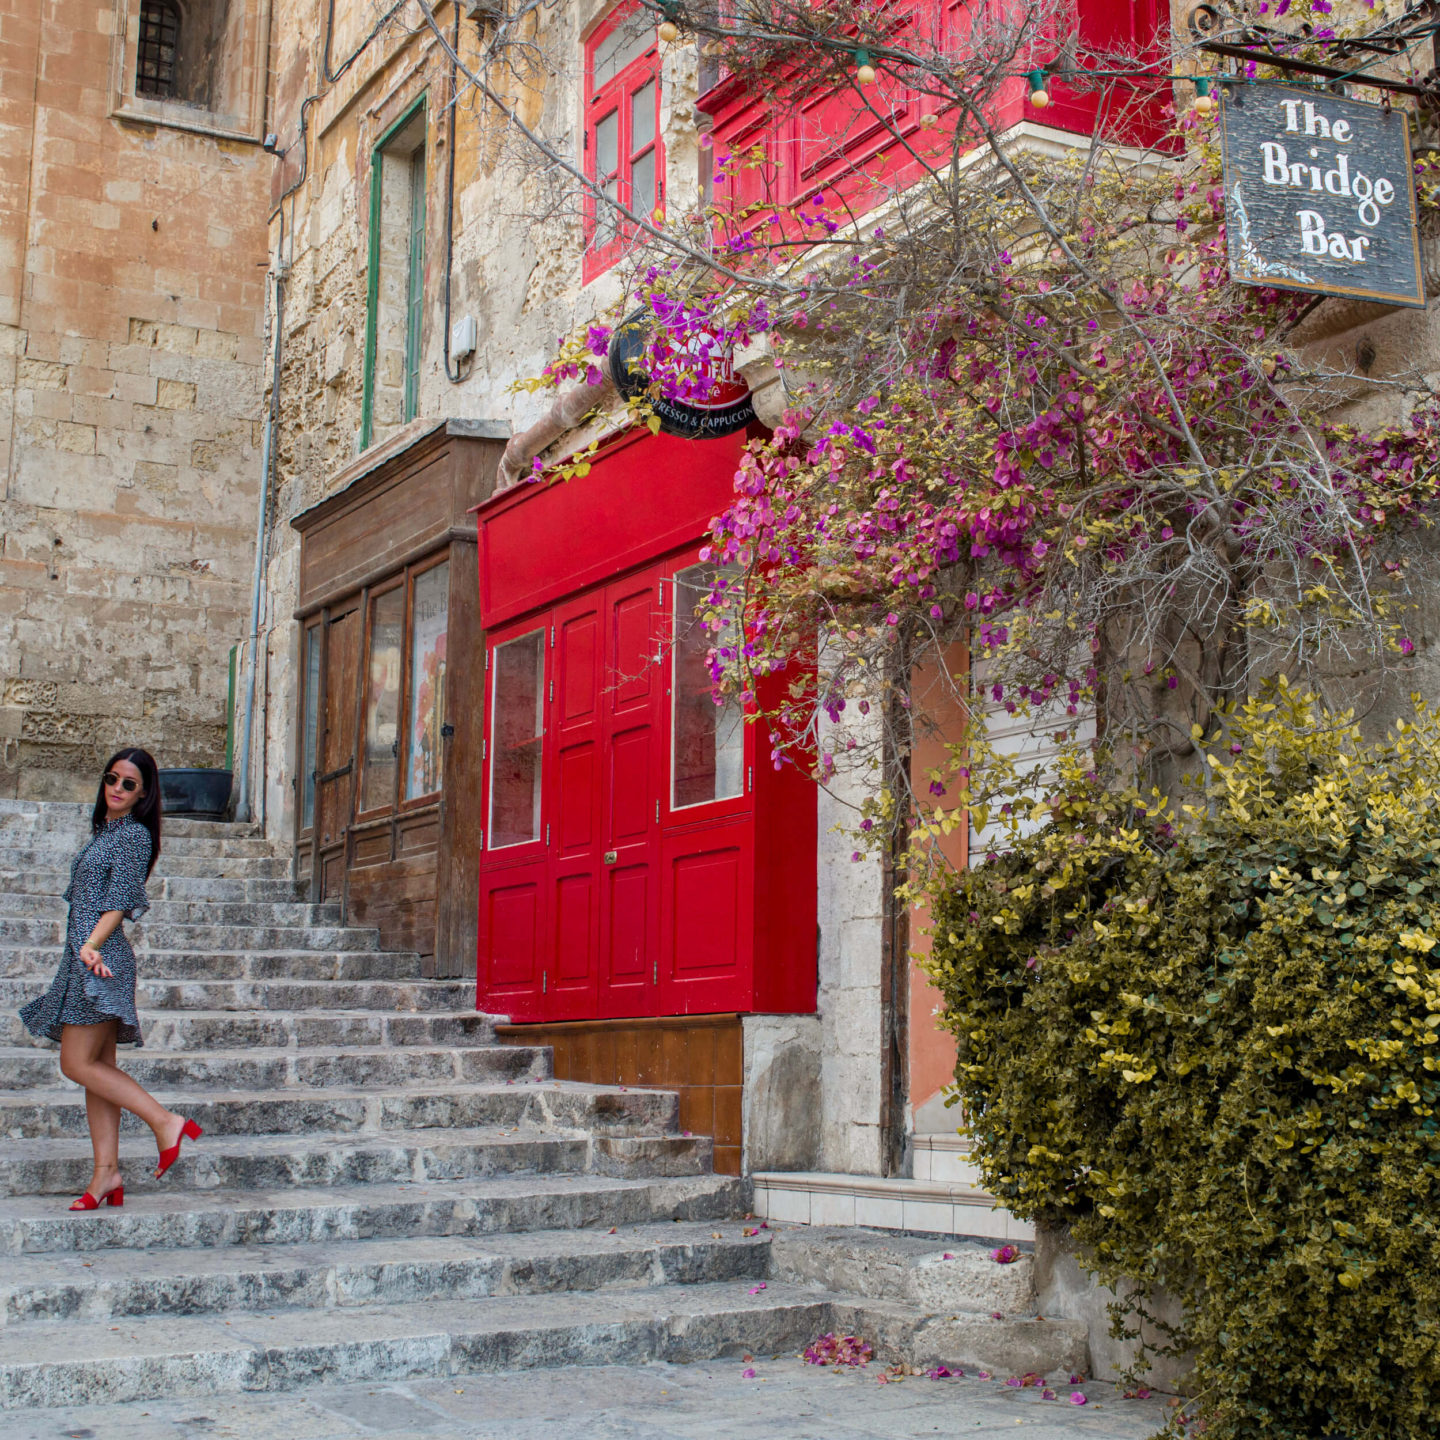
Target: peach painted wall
[(931, 1050)]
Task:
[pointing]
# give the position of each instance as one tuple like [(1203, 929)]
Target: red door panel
[(572, 809), (631, 821), (707, 919), (512, 926)]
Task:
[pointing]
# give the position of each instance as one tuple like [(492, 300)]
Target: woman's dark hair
[(146, 809)]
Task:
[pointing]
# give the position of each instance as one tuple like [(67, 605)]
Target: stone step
[(17, 860), (182, 912), (48, 1364), (938, 1276), (65, 843), (231, 1029), (408, 1206), (341, 1111), (74, 822), (37, 964), (28, 930), (348, 1273), (382, 995), (271, 1162), (55, 1364), (163, 887), (25, 1069)]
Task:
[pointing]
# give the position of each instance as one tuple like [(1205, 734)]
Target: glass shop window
[(517, 736), (623, 153), (382, 700), (707, 746), (429, 620)]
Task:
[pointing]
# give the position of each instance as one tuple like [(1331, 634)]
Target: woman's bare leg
[(104, 1118), (87, 1056)]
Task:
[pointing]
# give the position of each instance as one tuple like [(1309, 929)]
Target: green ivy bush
[(1204, 1037)]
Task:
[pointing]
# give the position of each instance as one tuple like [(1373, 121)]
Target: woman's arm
[(105, 927)]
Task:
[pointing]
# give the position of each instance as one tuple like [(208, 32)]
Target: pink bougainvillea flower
[(940, 1372), (1014, 1382), (1047, 1394), (748, 1374), (1005, 1255), (984, 1374), (1078, 1397), (1077, 1379), (996, 1315), (756, 1289)]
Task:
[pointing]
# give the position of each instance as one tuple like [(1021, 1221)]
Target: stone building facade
[(133, 195)]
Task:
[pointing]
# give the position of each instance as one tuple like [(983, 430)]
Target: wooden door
[(707, 890), (512, 976), (334, 785), (630, 779), (572, 808)]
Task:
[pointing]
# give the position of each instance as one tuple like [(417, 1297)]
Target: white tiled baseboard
[(939, 1207)]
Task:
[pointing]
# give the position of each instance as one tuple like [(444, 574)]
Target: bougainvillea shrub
[(1205, 1037)]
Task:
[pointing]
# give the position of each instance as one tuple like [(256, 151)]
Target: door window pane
[(429, 619), (642, 117), (626, 43), (707, 747), (642, 185), (382, 700), (517, 726), (311, 724)]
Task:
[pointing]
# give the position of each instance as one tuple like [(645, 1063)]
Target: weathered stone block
[(41, 374), (175, 395)]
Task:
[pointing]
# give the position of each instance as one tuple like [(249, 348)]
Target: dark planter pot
[(204, 793)]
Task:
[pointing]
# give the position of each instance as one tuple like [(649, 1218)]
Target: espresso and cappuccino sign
[(1320, 194)]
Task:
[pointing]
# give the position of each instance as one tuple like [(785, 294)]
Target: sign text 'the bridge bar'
[(1320, 194)]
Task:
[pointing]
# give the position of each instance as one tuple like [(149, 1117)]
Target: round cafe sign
[(727, 406)]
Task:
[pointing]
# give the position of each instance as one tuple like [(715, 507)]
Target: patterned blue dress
[(108, 874)]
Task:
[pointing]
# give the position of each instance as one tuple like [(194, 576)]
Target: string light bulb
[(1204, 100), (669, 31), (1039, 95), (864, 70)]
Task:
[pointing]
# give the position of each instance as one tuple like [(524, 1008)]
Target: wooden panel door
[(572, 808), (513, 918), (707, 906), (334, 784), (632, 775)]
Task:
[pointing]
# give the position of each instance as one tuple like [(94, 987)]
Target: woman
[(90, 1007)]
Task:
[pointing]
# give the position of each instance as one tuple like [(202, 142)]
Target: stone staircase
[(383, 1191)]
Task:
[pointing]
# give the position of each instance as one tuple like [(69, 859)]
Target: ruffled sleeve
[(125, 884)]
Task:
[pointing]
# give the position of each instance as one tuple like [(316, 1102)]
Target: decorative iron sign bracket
[(1266, 45)]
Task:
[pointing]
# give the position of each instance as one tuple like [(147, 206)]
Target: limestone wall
[(131, 338)]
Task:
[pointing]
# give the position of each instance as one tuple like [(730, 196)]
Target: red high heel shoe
[(190, 1131), (87, 1201)]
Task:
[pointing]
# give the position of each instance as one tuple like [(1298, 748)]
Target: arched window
[(156, 63)]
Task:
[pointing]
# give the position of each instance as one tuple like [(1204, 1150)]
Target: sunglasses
[(125, 783)]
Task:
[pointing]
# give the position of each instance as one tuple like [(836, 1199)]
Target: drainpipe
[(243, 807), (567, 412)]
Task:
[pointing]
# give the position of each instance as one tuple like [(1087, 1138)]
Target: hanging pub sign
[(1320, 194), (727, 406)]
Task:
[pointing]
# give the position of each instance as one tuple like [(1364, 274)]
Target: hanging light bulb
[(1204, 100), (864, 70), (1039, 95)]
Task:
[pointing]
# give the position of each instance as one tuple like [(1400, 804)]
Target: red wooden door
[(707, 909), (513, 919), (572, 808), (634, 767)]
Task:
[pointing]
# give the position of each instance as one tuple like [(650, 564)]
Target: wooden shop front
[(389, 771), (641, 856)]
